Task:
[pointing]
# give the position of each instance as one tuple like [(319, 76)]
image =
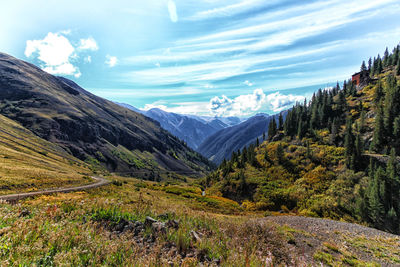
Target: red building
[(356, 78), (361, 77)]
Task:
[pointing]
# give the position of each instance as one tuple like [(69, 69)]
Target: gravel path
[(323, 226), (99, 182)]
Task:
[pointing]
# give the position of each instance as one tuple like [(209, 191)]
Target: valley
[(85, 181)]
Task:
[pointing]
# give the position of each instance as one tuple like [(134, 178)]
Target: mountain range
[(220, 145), (190, 128), (89, 127)]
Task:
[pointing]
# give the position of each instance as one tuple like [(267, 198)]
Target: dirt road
[(99, 182)]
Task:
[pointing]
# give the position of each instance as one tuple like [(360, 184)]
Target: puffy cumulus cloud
[(173, 15), (56, 53), (111, 61), (278, 102), (244, 105), (88, 44), (240, 106)]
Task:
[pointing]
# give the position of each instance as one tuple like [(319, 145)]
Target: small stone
[(149, 221), (195, 236), (173, 224), (24, 213), (159, 227)]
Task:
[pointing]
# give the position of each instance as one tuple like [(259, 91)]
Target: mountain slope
[(190, 130), (220, 145), (336, 156), (91, 128), (28, 162)]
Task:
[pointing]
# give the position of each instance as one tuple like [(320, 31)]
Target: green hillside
[(28, 163), (333, 157)]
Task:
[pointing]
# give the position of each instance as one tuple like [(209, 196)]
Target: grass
[(69, 229), (29, 163)]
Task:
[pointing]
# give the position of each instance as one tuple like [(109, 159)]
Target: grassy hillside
[(28, 163), (333, 157), (91, 128), (106, 226)]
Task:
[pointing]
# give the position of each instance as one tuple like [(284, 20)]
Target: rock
[(159, 227), (149, 221), (195, 236), (120, 226), (217, 261), (173, 224), (25, 212)]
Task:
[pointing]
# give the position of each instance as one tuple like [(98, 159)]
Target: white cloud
[(244, 105), (239, 106), (111, 61), (88, 59), (230, 10), (190, 108), (88, 44), (173, 15), (56, 53), (248, 83), (278, 102)]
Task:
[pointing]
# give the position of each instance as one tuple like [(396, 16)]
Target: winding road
[(99, 182)]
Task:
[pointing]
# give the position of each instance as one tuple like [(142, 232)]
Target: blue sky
[(205, 57)]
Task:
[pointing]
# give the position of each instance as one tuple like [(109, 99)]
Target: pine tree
[(369, 64), (349, 143), (379, 68), (386, 57), (376, 207), (272, 129), (300, 130), (396, 128), (280, 154), (359, 149), (398, 67), (378, 138), (263, 136), (280, 122), (363, 67), (378, 93), (257, 142)]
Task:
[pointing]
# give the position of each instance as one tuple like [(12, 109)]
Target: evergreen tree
[(386, 57), (369, 64), (376, 207), (349, 143), (378, 138), (398, 67), (378, 93), (280, 154), (379, 67), (280, 122), (272, 129), (396, 128), (363, 67)]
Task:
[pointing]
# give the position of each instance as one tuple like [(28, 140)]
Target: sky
[(203, 57)]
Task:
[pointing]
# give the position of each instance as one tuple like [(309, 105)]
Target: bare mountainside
[(91, 128)]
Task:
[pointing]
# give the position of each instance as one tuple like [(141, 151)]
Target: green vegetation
[(333, 157), (29, 163)]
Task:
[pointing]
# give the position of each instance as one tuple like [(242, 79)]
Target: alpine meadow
[(200, 133)]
